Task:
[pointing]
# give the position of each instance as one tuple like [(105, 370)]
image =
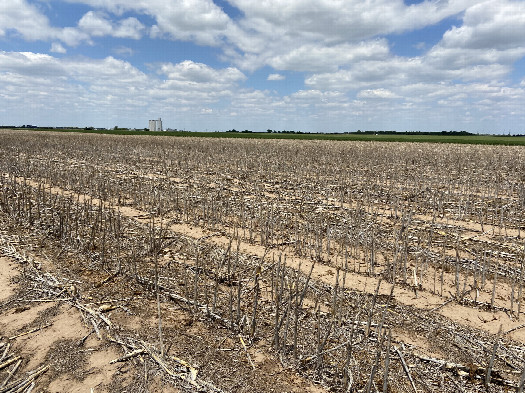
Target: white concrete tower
[(152, 125)]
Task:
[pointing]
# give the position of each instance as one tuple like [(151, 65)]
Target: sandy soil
[(73, 367), (7, 273), (55, 334), (488, 321)]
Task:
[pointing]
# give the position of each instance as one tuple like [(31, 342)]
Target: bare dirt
[(477, 318), (57, 335), (88, 302), (7, 273), (73, 367)]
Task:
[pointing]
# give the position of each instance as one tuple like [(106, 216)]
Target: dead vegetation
[(272, 265)]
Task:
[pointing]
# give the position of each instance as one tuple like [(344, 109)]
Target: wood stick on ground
[(30, 331), (6, 350), (9, 362), (92, 313), (442, 304), (129, 355), (246, 351), (491, 361), (371, 312), (23, 383), (11, 373), (387, 361), (405, 367), (521, 384), (514, 329), (95, 328)]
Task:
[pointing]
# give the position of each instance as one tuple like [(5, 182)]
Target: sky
[(303, 65)]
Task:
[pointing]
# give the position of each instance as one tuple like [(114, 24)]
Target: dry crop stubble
[(244, 220)]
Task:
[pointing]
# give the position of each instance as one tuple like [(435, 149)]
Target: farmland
[(242, 265), (431, 137)]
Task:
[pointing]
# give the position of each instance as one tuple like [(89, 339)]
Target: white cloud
[(27, 21), (56, 47), (30, 64), (485, 46), (276, 77), (200, 21), (317, 31), (97, 24), (376, 93), (129, 28), (96, 89), (316, 57), (341, 46), (198, 74), (72, 36), (298, 35), (459, 56), (492, 24), (346, 20), (123, 51)]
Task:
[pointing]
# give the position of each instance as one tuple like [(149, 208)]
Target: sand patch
[(99, 371), (65, 326), (7, 273), (17, 318)]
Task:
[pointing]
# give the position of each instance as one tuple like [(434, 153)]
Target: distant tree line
[(449, 133)]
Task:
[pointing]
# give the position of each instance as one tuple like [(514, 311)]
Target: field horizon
[(423, 137)]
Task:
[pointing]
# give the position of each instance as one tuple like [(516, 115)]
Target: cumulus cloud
[(492, 24), (27, 21), (459, 56), (110, 86), (342, 47), (345, 20), (318, 57), (29, 63), (281, 34), (200, 21), (97, 24), (129, 28), (276, 77), (123, 51), (376, 93), (56, 47), (488, 42), (198, 74), (298, 35)]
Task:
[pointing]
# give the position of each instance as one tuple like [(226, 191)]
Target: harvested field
[(133, 263)]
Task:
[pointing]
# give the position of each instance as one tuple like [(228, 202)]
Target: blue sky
[(309, 65)]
